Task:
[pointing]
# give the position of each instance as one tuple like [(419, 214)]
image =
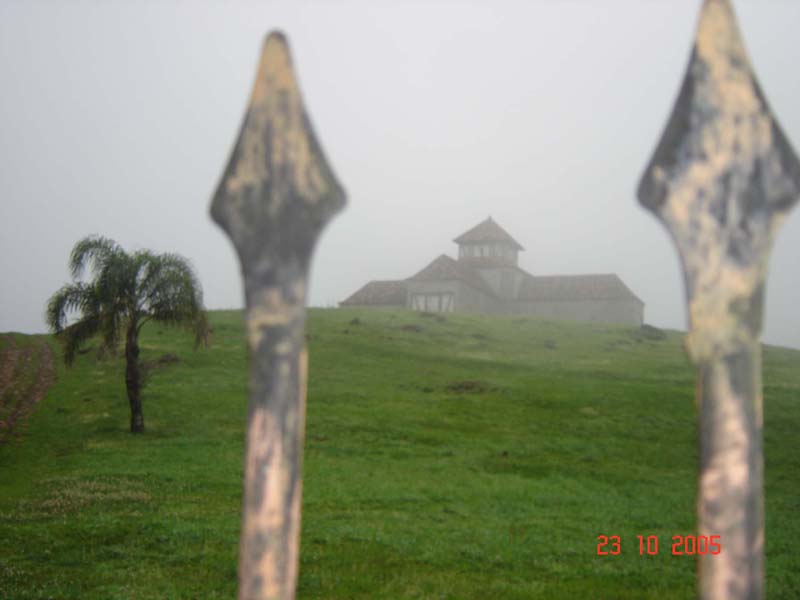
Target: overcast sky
[(117, 118)]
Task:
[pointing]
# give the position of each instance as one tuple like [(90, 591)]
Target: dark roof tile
[(445, 268), (379, 293), (574, 287)]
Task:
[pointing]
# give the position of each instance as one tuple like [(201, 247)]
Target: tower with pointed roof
[(490, 249), (488, 245)]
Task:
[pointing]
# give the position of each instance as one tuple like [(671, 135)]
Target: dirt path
[(26, 373), (8, 362)]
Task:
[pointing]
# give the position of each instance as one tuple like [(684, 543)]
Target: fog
[(118, 118)]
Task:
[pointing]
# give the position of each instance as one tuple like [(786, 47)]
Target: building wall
[(374, 306), (488, 249), (475, 301), (429, 288), (467, 299), (623, 312), (504, 281), (470, 300)]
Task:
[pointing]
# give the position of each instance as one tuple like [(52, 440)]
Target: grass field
[(463, 458)]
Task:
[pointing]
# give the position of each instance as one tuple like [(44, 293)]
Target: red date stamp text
[(682, 545)]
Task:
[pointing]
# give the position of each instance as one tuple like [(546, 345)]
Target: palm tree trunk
[(132, 379)]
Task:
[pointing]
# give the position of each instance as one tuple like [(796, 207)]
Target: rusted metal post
[(276, 195), (722, 180)]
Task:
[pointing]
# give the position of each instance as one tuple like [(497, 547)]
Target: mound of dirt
[(161, 361), (468, 386), (147, 368), (648, 332), (168, 359)]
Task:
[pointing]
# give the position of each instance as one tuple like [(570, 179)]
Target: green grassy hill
[(459, 457)]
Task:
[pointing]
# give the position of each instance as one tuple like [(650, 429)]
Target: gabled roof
[(487, 231), (575, 287), (445, 268), (380, 293)]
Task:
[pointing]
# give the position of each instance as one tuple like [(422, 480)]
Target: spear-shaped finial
[(276, 195), (722, 180)]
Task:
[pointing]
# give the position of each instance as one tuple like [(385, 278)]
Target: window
[(437, 302), (446, 302)]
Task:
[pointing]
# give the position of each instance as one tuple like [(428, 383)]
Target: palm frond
[(94, 250), (171, 294), (75, 335), (77, 297), (110, 327)]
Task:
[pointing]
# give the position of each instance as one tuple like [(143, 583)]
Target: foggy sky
[(118, 118)]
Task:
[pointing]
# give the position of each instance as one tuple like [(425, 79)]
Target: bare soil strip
[(20, 389), (8, 362)]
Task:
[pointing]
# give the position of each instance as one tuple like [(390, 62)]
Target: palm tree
[(125, 292)]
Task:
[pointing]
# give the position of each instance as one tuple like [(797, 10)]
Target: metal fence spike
[(721, 180), (276, 195)]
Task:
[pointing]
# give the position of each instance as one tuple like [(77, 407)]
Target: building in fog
[(487, 279)]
